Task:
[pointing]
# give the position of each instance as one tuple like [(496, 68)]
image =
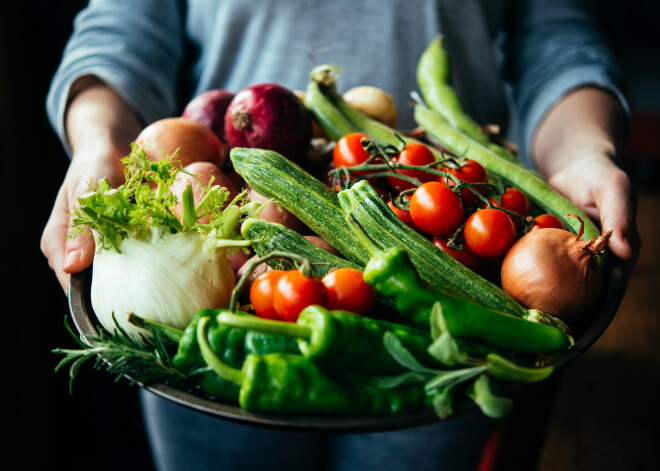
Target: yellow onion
[(373, 102), (195, 141), (555, 271)]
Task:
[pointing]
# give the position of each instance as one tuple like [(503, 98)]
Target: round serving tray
[(585, 336)]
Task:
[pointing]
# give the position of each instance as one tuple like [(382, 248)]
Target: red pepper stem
[(268, 326), (223, 370)]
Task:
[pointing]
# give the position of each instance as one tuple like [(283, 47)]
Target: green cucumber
[(434, 265), (526, 180), (270, 236), (310, 200)]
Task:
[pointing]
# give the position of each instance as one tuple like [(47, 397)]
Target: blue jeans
[(182, 439)]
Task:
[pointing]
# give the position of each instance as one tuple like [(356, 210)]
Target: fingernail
[(72, 258)]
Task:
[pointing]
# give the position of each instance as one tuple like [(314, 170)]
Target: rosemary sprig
[(122, 354)]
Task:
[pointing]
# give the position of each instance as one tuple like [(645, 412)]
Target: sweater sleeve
[(135, 47), (553, 48)]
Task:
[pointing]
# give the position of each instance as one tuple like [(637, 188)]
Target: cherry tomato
[(463, 255), (513, 200), (543, 221), (470, 172), (349, 152), (436, 209), (261, 293), (347, 291), (489, 232), (413, 153), (294, 292), (403, 215)]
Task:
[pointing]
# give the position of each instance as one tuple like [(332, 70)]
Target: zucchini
[(270, 236), (434, 266), (310, 200)]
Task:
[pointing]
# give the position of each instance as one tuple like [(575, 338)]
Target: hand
[(100, 128), (605, 193), (576, 148), (66, 256)]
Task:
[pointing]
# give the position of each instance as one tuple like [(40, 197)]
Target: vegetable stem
[(223, 370), (188, 208), (165, 331), (268, 326)]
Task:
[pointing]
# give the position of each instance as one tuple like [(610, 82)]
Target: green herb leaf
[(443, 402), (444, 348), (451, 378), (391, 382), (492, 405), (403, 356)]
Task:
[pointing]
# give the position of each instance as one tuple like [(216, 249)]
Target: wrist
[(99, 124), (587, 123)]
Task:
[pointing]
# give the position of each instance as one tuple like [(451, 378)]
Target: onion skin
[(269, 116), (209, 108), (554, 271), (195, 141)]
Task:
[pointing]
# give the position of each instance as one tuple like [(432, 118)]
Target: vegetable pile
[(447, 270)]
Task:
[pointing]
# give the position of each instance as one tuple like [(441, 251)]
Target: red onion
[(209, 108), (269, 116), (555, 271)]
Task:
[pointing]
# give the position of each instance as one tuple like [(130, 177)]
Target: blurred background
[(599, 413)]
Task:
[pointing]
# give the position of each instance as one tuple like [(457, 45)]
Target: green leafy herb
[(483, 394), (121, 354)]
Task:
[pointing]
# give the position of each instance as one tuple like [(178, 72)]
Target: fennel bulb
[(148, 260)]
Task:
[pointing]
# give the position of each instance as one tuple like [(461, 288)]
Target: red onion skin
[(554, 271), (209, 108), (269, 116)]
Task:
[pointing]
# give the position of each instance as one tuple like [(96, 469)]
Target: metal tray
[(585, 336)]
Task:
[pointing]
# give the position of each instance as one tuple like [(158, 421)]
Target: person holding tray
[(539, 69)]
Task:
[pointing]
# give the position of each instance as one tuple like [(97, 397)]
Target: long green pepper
[(340, 340), (290, 384), (230, 344)]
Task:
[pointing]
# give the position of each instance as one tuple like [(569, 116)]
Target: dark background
[(99, 426)]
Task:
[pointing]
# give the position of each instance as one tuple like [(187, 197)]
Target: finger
[(617, 205), (78, 253), (53, 239)]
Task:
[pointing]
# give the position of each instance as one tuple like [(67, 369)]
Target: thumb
[(78, 252)]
